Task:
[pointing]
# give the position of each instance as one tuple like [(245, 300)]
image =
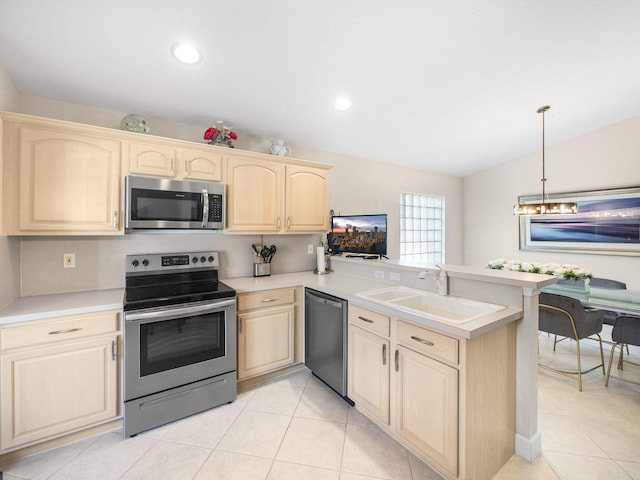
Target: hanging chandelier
[(544, 207)]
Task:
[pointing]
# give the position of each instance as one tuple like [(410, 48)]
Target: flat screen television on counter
[(359, 234)]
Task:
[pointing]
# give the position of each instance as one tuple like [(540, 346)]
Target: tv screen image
[(359, 234)]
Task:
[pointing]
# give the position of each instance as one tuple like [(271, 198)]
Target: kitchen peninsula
[(475, 340)]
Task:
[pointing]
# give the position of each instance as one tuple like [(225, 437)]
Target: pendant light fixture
[(544, 207)]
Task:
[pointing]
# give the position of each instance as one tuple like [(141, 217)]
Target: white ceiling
[(445, 86)]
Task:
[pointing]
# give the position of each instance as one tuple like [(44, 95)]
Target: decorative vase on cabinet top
[(278, 148)]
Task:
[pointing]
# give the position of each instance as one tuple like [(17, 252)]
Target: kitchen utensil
[(264, 253), (272, 252)]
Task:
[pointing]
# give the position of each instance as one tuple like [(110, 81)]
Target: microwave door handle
[(205, 207)]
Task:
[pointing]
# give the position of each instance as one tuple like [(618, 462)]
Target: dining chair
[(608, 284), (626, 331), (566, 317)]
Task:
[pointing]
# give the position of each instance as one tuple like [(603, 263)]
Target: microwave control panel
[(215, 207)]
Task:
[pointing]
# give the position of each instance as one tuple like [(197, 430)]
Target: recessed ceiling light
[(186, 53), (343, 103)]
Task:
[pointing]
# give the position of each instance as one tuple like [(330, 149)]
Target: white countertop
[(41, 307), (344, 286), (348, 287)]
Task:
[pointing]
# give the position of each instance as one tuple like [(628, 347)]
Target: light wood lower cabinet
[(266, 325), (427, 406), (58, 376), (368, 361), (450, 401)]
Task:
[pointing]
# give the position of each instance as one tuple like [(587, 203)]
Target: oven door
[(174, 346)]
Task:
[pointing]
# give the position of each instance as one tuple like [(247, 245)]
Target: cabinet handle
[(268, 300), (288, 223), (114, 350), (239, 325), (278, 223), (425, 342), (384, 354), (173, 164), (116, 219), (365, 319), (397, 359), (69, 330)]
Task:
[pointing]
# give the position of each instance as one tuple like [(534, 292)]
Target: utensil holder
[(261, 269)]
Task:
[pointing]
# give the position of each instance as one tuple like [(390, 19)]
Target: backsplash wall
[(100, 261)]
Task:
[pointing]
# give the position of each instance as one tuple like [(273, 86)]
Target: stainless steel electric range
[(179, 338)]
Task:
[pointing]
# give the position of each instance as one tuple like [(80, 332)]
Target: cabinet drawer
[(370, 320), (63, 329), (265, 298), (430, 343)]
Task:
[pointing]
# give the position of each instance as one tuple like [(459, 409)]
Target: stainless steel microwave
[(162, 203)]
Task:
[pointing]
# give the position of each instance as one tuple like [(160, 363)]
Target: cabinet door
[(57, 389), (265, 340), (368, 372), (68, 182), (201, 165), (151, 159), (254, 195), (427, 407), (307, 199)]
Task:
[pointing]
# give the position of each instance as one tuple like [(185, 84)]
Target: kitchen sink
[(445, 308)]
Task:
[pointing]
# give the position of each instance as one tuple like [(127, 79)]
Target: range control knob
[(145, 262), (194, 259), (135, 263), (203, 259), (211, 259)]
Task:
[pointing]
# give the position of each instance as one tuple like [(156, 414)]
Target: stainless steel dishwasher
[(326, 339)]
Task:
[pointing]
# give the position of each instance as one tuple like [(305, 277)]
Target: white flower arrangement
[(565, 271)]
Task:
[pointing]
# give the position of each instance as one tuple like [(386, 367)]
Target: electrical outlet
[(69, 260), (310, 249), (395, 276), (379, 274)]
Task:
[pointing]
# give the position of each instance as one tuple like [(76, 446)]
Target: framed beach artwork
[(607, 222)]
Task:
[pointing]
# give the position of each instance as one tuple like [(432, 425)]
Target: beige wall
[(357, 186), (9, 247), (605, 158)]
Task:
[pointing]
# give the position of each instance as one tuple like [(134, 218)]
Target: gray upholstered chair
[(626, 331), (566, 317), (608, 284)]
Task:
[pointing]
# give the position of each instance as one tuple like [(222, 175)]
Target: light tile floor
[(296, 428)]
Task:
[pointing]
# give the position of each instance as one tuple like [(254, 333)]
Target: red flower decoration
[(220, 135), (209, 133)]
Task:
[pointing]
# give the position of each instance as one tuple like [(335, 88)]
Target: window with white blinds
[(422, 228)]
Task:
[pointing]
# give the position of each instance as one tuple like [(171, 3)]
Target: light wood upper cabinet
[(307, 199), (254, 195), (272, 197), (59, 182), (151, 159), (165, 160)]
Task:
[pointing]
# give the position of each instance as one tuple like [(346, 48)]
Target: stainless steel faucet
[(440, 276)]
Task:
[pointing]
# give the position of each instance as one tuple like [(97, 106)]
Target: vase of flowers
[(569, 276), (220, 135)]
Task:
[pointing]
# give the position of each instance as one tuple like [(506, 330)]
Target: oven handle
[(179, 312)]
